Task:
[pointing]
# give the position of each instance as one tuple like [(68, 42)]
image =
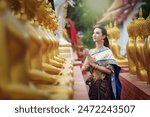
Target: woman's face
[(97, 35)]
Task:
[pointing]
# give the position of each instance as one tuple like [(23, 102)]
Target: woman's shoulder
[(107, 49), (109, 53)]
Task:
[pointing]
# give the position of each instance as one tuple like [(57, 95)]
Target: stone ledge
[(133, 88), (80, 90)]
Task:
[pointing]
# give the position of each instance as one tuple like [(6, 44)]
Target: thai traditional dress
[(106, 87)]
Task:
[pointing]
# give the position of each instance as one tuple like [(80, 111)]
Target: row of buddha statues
[(31, 66), (137, 48)]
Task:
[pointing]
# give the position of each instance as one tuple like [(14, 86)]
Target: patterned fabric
[(100, 89), (107, 86)]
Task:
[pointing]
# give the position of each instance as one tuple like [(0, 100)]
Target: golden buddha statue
[(44, 22), (67, 69), (109, 33), (34, 66), (41, 78), (67, 64), (62, 86), (53, 50), (50, 28), (21, 88), (50, 67), (35, 58), (50, 53), (130, 47), (141, 65), (115, 34), (38, 55), (14, 79), (147, 47)]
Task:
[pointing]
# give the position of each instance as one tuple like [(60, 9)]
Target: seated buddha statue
[(50, 28), (52, 44), (147, 47), (130, 47), (55, 51), (55, 54), (141, 65), (34, 68), (41, 78), (14, 79), (46, 58), (35, 59), (54, 60), (47, 66), (39, 45), (60, 89), (50, 67), (67, 66), (115, 47)]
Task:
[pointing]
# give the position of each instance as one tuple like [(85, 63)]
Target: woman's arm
[(101, 68)]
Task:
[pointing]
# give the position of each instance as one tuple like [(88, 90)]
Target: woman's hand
[(92, 64), (90, 59)]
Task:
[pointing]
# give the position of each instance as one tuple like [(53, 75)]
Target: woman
[(104, 83)]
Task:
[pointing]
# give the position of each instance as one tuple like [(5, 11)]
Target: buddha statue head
[(140, 24), (131, 27), (30, 7), (110, 31), (116, 31)]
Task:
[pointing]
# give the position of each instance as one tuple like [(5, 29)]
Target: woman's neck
[(99, 45)]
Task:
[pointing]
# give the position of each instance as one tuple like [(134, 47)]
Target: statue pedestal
[(80, 90), (133, 88)]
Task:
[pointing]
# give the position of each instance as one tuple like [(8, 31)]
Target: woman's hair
[(104, 32)]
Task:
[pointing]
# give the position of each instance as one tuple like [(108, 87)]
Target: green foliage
[(87, 39), (85, 14)]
